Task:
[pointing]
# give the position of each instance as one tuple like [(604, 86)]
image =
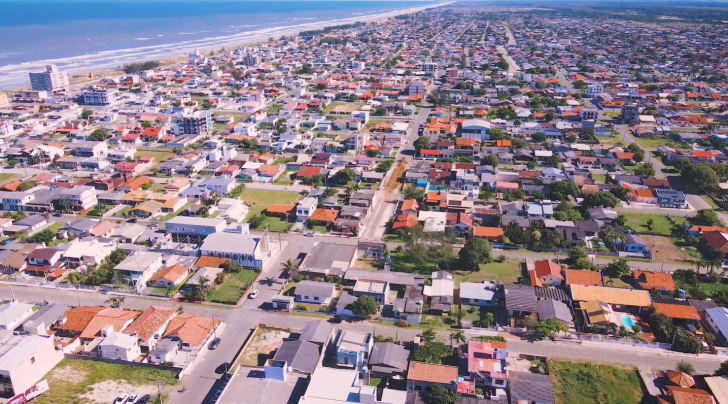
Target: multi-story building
[(417, 88), (195, 123), (50, 80), (78, 198), (630, 114), (31, 95), (100, 97), (593, 90), (185, 229), (23, 362), (427, 67), (251, 59)]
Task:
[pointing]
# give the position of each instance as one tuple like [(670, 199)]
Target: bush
[(403, 324), (300, 307)]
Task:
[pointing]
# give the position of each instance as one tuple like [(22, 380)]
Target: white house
[(245, 249), (315, 292), (139, 267), (305, 209), (117, 345)]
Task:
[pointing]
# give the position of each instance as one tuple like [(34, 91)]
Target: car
[(254, 294), (308, 234), (406, 141), (58, 214), (120, 399), (223, 368), (131, 399), (145, 399), (215, 343), (6, 241), (132, 220), (218, 393)]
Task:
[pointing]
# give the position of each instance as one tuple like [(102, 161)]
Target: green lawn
[(285, 178), (175, 214), (159, 156), (284, 160), (73, 378), (611, 114), (599, 178), (275, 224), (5, 177), (638, 222), (233, 287), (125, 209), (710, 202), (508, 271), (262, 198), (97, 213), (587, 382), (156, 187), (653, 142)]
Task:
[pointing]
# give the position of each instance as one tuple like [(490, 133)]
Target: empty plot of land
[(664, 249)]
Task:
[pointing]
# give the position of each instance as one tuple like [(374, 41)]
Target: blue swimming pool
[(627, 321)]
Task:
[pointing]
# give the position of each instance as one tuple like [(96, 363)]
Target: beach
[(15, 76)]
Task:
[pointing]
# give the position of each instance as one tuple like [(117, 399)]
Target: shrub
[(403, 324)]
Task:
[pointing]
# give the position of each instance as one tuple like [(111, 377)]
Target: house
[(219, 185), (669, 198), (635, 243), (42, 321), (684, 395), (422, 376), (137, 268), (527, 387), (718, 241), (24, 362), (659, 281), (550, 309), (150, 325), (477, 294), (492, 234), (378, 290), (118, 319), (192, 331), (328, 259), (244, 249), (168, 277), (717, 320), (315, 292), (353, 348), (520, 300), (147, 209), (299, 355), (581, 277), (13, 314), (441, 292), (117, 345), (388, 360), (486, 363), (305, 209), (545, 272), (619, 299)]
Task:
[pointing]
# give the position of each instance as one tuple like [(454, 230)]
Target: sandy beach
[(106, 64)]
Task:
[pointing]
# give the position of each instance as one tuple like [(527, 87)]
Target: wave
[(14, 75)]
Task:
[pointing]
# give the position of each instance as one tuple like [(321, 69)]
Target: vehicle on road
[(254, 294), (223, 368), (308, 234), (215, 343), (145, 399), (131, 399)]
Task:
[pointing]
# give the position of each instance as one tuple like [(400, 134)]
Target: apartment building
[(24, 360), (100, 97), (51, 79)]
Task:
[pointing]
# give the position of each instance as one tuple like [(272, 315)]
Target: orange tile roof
[(547, 267), (410, 204), (280, 208), (78, 318), (432, 373), (644, 193), (171, 274), (191, 328), (102, 228), (677, 311), (705, 229), (682, 395), (210, 262), (654, 280), (404, 221), (579, 277), (465, 142), (136, 183), (109, 316), (701, 154), (324, 215), (483, 231), (150, 321)]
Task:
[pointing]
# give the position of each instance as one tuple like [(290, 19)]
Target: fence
[(122, 362), (617, 340)]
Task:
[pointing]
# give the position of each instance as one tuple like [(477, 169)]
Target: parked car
[(145, 399), (254, 294), (215, 343), (223, 368), (131, 399), (308, 234), (120, 399)]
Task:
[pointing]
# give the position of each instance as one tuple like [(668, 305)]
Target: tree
[(457, 336), (559, 190), (600, 199), (86, 113), (422, 142), (289, 265), (645, 170), (639, 153), (685, 367), (680, 164), (620, 192), (618, 268), (432, 352), (548, 327), (365, 306), (344, 176), (539, 136), (489, 160), (583, 263), (723, 369), (410, 191), (707, 217), (350, 188), (428, 334), (700, 177), (115, 301), (441, 395), (99, 135), (476, 251), (384, 166), (203, 286), (577, 252), (686, 342)]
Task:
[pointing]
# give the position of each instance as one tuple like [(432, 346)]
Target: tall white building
[(593, 90), (100, 97), (51, 79)]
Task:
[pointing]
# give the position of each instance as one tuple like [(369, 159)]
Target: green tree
[(539, 136), (428, 334), (441, 395), (548, 327), (618, 267), (700, 177), (577, 252), (621, 193), (559, 190), (86, 113), (421, 143), (707, 217), (489, 160), (289, 265), (344, 176), (645, 170), (432, 352), (99, 135), (685, 367), (203, 286), (365, 306), (686, 342), (600, 199), (476, 251), (722, 370), (410, 191), (680, 164)]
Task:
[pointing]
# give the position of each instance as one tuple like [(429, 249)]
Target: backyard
[(507, 271), (653, 142), (661, 225), (589, 382), (234, 286), (90, 382), (125, 210), (258, 200)]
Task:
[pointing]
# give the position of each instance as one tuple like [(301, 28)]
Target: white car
[(253, 294), (120, 399), (131, 399)]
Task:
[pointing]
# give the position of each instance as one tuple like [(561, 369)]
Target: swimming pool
[(627, 321)]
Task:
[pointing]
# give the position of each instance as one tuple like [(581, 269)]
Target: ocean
[(84, 35)]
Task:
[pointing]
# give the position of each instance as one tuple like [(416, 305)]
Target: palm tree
[(329, 192), (115, 301), (289, 265), (428, 334), (458, 337), (204, 285)]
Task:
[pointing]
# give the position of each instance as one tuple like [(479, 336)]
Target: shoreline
[(173, 54)]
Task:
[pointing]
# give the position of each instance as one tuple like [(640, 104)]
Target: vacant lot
[(260, 345), (664, 249), (262, 198), (638, 222), (342, 107), (5, 177), (89, 382), (653, 142), (507, 271), (234, 286), (587, 382), (159, 156)]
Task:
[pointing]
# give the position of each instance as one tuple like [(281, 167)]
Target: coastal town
[(467, 204)]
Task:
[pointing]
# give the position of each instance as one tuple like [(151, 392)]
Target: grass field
[(262, 198), (73, 378), (233, 287), (275, 224), (507, 271), (285, 178), (5, 177), (599, 178), (587, 382), (653, 142), (121, 213), (343, 107), (638, 223), (175, 214), (159, 156)]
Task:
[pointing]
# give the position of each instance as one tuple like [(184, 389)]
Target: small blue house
[(635, 243)]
